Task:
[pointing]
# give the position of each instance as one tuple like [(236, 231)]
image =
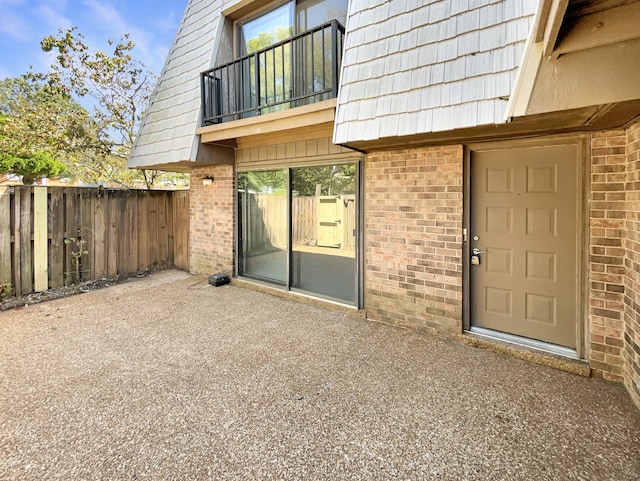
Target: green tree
[(40, 128), (333, 180), (31, 166), (117, 85), (272, 181)]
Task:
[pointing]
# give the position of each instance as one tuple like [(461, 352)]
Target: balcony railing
[(297, 71)]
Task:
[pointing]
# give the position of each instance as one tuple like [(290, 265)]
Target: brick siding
[(614, 295), (606, 253), (413, 238), (413, 217), (212, 220), (632, 264)]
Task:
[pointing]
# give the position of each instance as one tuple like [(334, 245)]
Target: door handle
[(475, 256)]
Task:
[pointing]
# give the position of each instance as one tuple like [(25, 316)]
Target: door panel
[(523, 212)]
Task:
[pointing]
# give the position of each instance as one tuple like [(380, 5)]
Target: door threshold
[(281, 291), (526, 342)]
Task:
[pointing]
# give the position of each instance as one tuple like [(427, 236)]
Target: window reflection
[(262, 198), (321, 228), (324, 230)]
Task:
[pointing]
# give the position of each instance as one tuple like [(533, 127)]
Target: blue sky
[(23, 23)]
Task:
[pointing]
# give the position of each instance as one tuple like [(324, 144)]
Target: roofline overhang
[(541, 40), (556, 33), (586, 119)]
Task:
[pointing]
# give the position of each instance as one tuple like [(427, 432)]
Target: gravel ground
[(168, 378)]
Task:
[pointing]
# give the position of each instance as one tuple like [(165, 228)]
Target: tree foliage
[(329, 180), (305, 182), (118, 88), (84, 113), (31, 166), (40, 127)]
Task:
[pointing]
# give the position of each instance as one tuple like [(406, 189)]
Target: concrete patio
[(169, 378)]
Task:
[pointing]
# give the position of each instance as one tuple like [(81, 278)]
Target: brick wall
[(212, 220), (606, 253), (413, 238), (632, 264)]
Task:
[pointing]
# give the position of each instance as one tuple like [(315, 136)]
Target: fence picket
[(152, 226), (86, 234), (125, 232), (56, 234), (26, 246), (143, 232), (163, 232), (17, 244), (100, 239), (114, 213), (123, 238), (132, 240), (72, 205), (5, 235)]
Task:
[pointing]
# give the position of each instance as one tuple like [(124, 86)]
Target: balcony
[(298, 71)]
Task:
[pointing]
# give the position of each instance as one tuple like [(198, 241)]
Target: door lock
[(475, 258)]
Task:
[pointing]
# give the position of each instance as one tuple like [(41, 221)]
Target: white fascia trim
[(527, 72)]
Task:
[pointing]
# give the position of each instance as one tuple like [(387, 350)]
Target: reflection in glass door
[(324, 206), (262, 200), (273, 67), (307, 217)]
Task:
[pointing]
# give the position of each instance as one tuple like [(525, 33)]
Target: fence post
[(40, 240), (5, 234), (57, 229)]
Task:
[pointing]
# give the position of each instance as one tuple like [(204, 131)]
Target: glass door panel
[(267, 29), (324, 206), (263, 232), (312, 13), (266, 77)]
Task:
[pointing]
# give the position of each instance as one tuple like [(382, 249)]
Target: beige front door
[(524, 211)]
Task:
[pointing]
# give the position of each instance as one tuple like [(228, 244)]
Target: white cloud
[(13, 25), (112, 22), (106, 15), (167, 23), (52, 18)]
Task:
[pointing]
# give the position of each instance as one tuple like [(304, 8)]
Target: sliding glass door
[(263, 233), (275, 74), (324, 230), (298, 227)]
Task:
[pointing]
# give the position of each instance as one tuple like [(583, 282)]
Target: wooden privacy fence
[(55, 236), (266, 224)]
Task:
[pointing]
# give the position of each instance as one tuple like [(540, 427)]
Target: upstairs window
[(286, 56), (285, 20)]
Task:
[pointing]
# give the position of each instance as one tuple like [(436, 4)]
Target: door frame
[(288, 165), (581, 140)]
